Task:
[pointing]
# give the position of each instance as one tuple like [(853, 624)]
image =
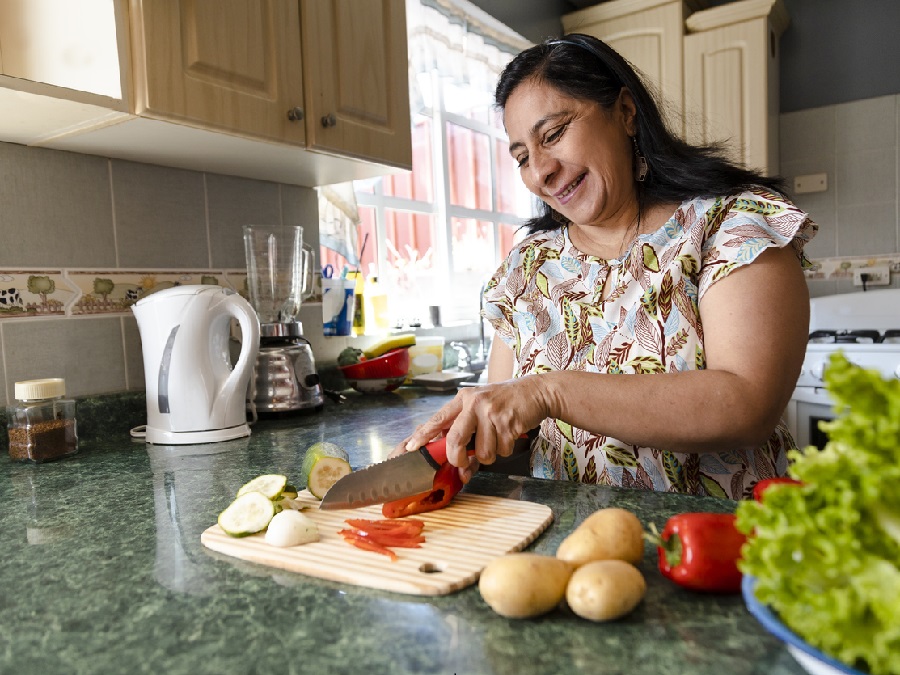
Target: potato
[(523, 585), (607, 534), (605, 589)]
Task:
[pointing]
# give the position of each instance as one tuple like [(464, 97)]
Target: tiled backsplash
[(83, 235), (856, 145), (95, 231)]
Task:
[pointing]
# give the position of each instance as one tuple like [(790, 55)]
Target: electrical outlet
[(879, 275), (814, 182)]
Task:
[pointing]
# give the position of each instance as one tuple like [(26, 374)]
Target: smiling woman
[(649, 324)]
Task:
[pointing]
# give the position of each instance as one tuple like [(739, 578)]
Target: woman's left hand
[(496, 414)]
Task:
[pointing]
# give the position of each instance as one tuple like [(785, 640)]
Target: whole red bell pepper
[(765, 484), (700, 551), (446, 485)]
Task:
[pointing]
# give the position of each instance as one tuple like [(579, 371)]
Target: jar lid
[(36, 390)]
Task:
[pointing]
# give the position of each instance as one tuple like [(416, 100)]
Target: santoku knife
[(408, 474)]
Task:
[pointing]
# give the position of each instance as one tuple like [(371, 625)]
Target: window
[(434, 235)]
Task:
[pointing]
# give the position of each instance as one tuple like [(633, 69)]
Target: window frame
[(441, 211)]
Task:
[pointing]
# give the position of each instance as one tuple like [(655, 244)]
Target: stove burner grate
[(851, 336)]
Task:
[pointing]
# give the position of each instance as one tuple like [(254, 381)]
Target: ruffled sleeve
[(741, 227), (498, 305), (508, 283)]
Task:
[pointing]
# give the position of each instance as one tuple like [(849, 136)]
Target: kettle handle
[(241, 310)]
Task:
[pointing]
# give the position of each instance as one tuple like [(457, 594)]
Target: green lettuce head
[(826, 555)]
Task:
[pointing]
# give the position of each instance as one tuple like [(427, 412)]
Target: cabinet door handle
[(329, 120), (295, 114)]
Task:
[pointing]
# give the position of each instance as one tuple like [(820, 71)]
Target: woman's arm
[(500, 361), (755, 324)]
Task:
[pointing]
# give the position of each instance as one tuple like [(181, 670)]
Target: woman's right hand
[(496, 415)]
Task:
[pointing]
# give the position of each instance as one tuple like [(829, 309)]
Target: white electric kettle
[(194, 395)]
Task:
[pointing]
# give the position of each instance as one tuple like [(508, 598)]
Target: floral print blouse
[(546, 303)]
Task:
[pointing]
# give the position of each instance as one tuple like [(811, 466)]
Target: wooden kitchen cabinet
[(229, 65), (649, 34), (731, 79), (307, 93), (59, 68), (330, 76), (355, 64), (61, 43)]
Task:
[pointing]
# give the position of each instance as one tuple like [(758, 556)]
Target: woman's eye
[(521, 161), (556, 134)]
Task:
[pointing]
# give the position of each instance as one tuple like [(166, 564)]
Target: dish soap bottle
[(377, 315), (42, 423), (359, 306)]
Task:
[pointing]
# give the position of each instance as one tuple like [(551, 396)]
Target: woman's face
[(573, 154)]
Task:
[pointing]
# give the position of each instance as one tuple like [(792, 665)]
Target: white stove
[(866, 328)]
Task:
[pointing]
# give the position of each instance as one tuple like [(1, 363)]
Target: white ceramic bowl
[(812, 660)]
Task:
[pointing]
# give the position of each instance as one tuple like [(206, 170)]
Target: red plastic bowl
[(394, 364)]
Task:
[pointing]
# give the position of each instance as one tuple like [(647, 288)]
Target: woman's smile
[(564, 195)]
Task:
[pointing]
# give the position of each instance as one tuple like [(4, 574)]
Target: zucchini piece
[(269, 485), (248, 514), (323, 465)]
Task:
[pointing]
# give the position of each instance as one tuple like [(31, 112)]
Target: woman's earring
[(641, 168)]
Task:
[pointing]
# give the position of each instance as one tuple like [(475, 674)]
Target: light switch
[(813, 182)]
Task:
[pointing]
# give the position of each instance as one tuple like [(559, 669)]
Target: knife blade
[(408, 474)]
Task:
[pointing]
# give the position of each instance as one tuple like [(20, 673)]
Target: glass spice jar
[(41, 421)]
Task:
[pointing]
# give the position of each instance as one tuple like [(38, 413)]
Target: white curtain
[(459, 41)]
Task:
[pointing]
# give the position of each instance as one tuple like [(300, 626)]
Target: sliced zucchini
[(248, 514), (323, 465), (270, 485)]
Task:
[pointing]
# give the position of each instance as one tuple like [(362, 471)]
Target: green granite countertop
[(103, 571)]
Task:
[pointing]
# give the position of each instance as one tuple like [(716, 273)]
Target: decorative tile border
[(34, 293), (81, 292), (842, 268)]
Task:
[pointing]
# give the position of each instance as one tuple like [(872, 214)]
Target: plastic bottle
[(379, 320), (359, 309), (42, 425)]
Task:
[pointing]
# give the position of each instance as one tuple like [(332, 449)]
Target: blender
[(279, 278)]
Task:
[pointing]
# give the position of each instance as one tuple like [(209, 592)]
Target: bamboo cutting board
[(459, 541)]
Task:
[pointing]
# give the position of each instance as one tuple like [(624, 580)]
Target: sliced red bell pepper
[(360, 541), (700, 551), (407, 526), (764, 485), (445, 487), (385, 539)]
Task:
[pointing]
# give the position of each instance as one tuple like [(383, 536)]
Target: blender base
[(285, 378)]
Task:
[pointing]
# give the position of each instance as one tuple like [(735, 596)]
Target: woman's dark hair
[(585, 68)]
